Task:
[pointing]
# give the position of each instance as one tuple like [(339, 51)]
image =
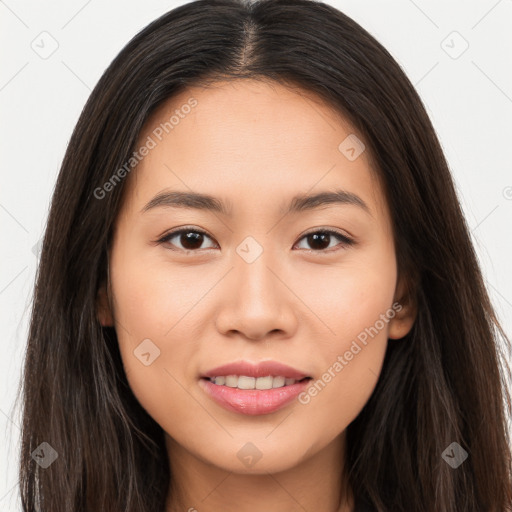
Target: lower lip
[(253, 401)]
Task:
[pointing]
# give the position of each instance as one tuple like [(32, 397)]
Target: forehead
[(245, 140)]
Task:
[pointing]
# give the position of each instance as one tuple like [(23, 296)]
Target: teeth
[(264, 382), (245, 382), (231, 381), (278, 382)]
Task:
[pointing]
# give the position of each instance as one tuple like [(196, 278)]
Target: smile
[(246, 382), (253, 401)]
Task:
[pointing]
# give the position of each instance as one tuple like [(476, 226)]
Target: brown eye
[(189, 239), (320, 240), (192, 239)]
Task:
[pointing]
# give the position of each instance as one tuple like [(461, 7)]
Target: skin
[(254, 145)]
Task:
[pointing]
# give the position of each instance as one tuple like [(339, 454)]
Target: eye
[(189, 238), (321, 240)]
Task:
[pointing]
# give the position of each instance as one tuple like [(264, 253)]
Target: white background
[(469, 99)]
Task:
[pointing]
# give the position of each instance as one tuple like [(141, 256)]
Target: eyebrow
[(299, 203)]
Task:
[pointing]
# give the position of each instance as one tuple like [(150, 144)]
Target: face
[(307, 284)]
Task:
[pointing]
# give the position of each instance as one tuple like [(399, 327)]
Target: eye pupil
[(191, 237), (191, 240), (314, 238)]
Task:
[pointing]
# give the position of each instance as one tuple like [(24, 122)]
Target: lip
[(253, 401), (262, 369)]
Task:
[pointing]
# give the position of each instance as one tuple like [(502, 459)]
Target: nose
[(257, 301)]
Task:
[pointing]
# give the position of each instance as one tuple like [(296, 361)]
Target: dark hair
[(443, 383)]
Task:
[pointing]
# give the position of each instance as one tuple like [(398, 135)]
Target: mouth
[(253, 389), (245, 382), (253, 396)]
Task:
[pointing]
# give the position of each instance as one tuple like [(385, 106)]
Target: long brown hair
[(444, 383)]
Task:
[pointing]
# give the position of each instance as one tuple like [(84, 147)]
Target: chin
[(257, 456)]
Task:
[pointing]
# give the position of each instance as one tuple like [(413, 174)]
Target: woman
[(257, 289)]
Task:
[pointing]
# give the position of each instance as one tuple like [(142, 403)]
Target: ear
[(406, 310), (103, 307)]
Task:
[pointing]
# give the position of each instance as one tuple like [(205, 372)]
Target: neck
[(317, 483)]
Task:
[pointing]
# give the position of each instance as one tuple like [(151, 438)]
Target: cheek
[(354, 303), (152, 295), (348, 297), (154, 332)]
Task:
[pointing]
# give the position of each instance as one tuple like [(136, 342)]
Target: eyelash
[(346, 241)]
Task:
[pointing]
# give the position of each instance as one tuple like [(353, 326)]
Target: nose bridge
[(259, 303), (256, 283)]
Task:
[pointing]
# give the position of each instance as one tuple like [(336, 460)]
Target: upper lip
[(262, 369)]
